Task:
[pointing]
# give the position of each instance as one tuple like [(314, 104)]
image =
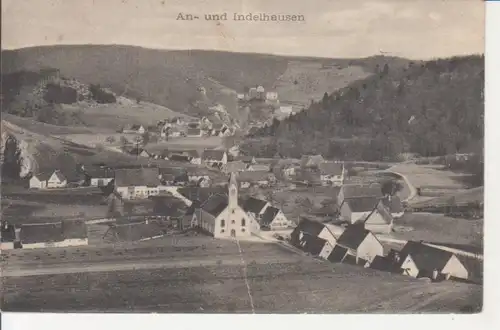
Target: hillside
[(432, 108), (191, 82)]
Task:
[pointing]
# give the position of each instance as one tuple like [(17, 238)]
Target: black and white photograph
[(242, 157)]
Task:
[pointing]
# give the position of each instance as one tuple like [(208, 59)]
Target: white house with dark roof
[(417, 259), (255, 207), (332, 174), (45, 180), (223, 217), (211, 157), (357, 209), (137, 183), (313, 237), (379, 220), (274, 219), (357, 242)]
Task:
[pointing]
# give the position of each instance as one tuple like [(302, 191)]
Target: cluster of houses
[(226, 215), (357, 245), (180, 127), (259, 93), (32, 236)]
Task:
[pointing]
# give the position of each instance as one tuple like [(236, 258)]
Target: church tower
[(233, 192)]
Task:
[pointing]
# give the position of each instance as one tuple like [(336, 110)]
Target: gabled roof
[(393, 204), (254, 205), (43, 233), (43, 176), (330, 168), (254, 176), (146, 176), (74, 229), (269, 215), (314, 244), (215, 205), (384, 213), (311, 227), (235, 166), (211, 154), (356, 190), (382, 263), (59, 175), (353, 236), (362, 204), (100, 172), (425, 257), (338, 253)]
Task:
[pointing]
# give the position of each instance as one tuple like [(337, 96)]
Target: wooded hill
[(429, 108)]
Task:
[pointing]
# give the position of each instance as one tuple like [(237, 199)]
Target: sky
[(415, 29)]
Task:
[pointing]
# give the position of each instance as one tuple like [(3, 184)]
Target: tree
[(385, 71), (12, 161), (123, 141), (391, 187), (146, 137)]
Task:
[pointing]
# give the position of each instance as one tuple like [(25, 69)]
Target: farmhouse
[(66, 233), (137, 183), (359, 190), (213, 157), (331, 174), (256, 178), (99, 176), (394, 205), (223, 217), (235, 166), (359, 243), (274, 219), (45, 180), (357, 209), (255, 207), (307, 227), (308, 161), (417, 259)]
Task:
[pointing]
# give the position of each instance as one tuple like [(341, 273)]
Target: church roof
[(215, 205)]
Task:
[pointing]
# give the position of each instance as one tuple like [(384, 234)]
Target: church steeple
[(233, 191)]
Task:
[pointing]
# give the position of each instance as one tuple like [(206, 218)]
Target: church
[(223, 217)]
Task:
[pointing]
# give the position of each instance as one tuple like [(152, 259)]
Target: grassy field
[(437, 228), (279, 281)]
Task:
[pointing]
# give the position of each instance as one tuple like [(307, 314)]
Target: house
[(223, 217), (394, 205), (309, 161), (197, 174), (379, 220), (357, 209), (8, 236), (308, 227), (235, 166), (99, 176), (194, 132), (331, 174), (46, 180), (417, 259), (259, 167), (359, 243), (144, 153), (225, 131), (255, 207), (359, 190), (137, 183), (261, 93), (61, 234), (255, 178), (134, 129), (211, 157), (316, 246), (286, 110), (194, 156), (240, 96), (274, 219), (272, 96), (252, 93)]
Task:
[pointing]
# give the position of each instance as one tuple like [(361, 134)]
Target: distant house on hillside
[(332, 174), (311, 161), (417, 259), (137, 183), (222, 216), (358, 243), (213, 157), (134, 129), (99, 176), (66, 233), (356, 190), (46, 180)]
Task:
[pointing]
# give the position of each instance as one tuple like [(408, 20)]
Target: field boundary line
[(249, 291)]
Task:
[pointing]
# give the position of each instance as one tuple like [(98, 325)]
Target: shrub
[(101, 96)]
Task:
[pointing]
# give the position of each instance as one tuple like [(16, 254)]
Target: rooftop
[(254, 205), (356, 190), (269, 215), (353, 236), (146, 176), (361, 204)]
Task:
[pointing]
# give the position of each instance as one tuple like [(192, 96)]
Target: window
[(232, 221), (243, 230), (243, 222), (222, 231), (232, 211), (223, 223)]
